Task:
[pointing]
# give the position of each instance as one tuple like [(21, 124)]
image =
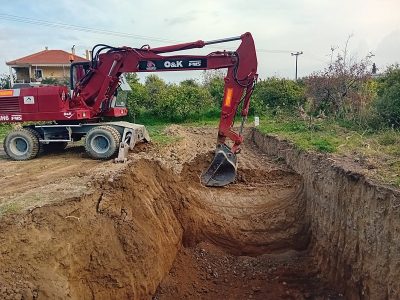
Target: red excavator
[(69, 115)]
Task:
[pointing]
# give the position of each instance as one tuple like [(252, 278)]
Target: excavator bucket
[(222, 170)]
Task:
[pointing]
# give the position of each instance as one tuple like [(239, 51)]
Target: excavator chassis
[(102, 140)]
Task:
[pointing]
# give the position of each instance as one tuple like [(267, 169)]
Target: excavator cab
[(77, 72)]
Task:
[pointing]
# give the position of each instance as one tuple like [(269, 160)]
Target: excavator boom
[(240, 80)]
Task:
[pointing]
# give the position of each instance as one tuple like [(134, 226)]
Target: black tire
[(22, 144), (34, 132), (55, 146), (102, 142)]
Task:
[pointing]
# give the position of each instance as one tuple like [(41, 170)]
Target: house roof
[(48, 57)]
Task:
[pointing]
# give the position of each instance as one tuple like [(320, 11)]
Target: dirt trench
[(123, 241), (153, 231)]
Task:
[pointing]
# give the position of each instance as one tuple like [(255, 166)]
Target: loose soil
[(73, 228)]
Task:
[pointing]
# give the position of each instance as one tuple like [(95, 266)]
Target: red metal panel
[(116, 112), (46, 116), (9, 104), (50, 98), (28, 100)]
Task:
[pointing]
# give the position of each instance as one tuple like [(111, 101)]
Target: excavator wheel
[(22, 144), (102, 142)]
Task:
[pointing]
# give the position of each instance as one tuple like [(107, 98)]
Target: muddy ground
[(74, 228)]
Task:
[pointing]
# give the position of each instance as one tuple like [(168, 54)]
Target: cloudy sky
[(278, 27)]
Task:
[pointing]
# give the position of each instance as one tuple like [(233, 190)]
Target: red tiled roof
[(46, 57)]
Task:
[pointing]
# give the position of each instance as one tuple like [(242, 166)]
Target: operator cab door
[(78, 71), (81, 70), (121, 94)]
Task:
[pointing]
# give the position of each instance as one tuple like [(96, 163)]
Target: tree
[(5, 82), (155, 87), (388, 102), (138, 98), (213, 81), (341, 88), (131, 78), (275, 93)]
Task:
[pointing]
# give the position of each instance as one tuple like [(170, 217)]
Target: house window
[(38, 73)]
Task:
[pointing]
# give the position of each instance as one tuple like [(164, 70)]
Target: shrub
[(49, 81), (155, 88), (342, 89), (388, 102), (275, 94), (167, 102), (137, 100), (180, 102), (213, 81)]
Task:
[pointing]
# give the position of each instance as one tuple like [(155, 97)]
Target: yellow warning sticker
[(5, 93), (228, 97)]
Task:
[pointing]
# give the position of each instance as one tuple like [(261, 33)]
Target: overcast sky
[(311, 26)]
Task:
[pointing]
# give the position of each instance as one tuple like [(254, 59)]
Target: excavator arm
[(96, 89)]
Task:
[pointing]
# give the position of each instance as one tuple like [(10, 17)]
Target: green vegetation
[(4, 128), (157, 100), (158, 135), (376, 150), (5, 82), (274, 95), (9, 208), (321, 136), (388, 100)]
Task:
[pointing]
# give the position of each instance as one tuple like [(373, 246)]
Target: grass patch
[(319, 137), (9, 208), (155, 127), (4, 129), (387, 138), (323, 145), (378, 152), (158, 135)]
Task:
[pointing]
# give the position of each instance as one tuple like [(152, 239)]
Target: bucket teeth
[(222, 170)]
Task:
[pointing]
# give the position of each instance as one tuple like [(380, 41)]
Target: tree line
[(343, 91)]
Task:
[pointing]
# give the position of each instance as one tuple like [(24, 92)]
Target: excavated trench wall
[(354, 223), (120, 241)]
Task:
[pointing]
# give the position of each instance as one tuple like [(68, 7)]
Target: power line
[(78, 28), (65, 26)]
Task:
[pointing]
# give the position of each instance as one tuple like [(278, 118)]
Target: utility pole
[(297, 56)]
